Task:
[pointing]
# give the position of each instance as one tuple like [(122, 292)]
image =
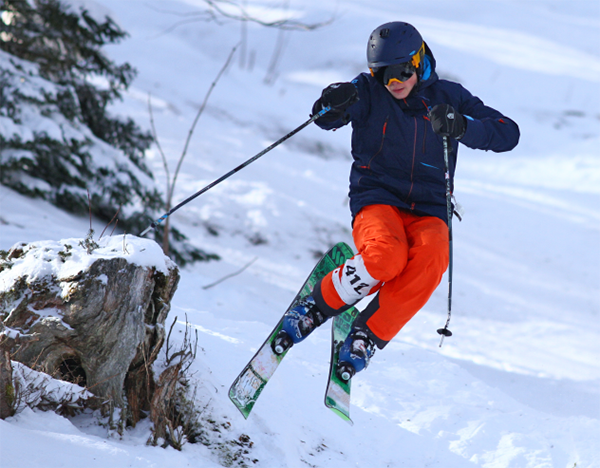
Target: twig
[(167, 345), (271, 76), (191, 356), (160, 150), (113, 218), (187, 351), (281, 23), (230, 275), (147, 367), (172, 183), (115, 227), (215, 12), (90, 209), (124, 244), (200, 111)]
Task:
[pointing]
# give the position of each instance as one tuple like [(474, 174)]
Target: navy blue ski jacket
[(398, 159)]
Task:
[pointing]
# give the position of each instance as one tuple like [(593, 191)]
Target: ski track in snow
[(517, 386)]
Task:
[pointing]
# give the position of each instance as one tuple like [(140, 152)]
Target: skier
[(399, 114)]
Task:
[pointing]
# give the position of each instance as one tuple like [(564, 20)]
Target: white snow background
[(518, 385)]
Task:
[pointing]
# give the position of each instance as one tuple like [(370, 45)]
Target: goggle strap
[(416, 59)]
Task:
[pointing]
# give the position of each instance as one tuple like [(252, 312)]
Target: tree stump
[(98, 317)]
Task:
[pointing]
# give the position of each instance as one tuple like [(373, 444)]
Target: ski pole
[(233, 171), (444, 331)]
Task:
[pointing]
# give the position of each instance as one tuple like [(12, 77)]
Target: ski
[(337, 395), (248, 386)]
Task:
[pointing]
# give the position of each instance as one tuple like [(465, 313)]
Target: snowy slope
[(518, 385)]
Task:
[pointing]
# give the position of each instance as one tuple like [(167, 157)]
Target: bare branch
[(113, 218), (200, 111), (160, 150), (90, 209), (167, 344), (287, 24), (230, 275), (216, 12), (196, 17), (115, 227)]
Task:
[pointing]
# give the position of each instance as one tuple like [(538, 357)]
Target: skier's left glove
[(446, 121), (337, 96)]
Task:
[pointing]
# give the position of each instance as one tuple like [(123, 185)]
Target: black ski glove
[(447, 122), (338, 96)]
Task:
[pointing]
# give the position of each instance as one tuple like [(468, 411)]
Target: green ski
[(337, 396), (248, 386)]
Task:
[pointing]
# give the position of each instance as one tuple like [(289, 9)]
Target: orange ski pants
[(405, 257)]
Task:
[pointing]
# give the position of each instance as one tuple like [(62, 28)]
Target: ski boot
[(355, 354), (298, 323)]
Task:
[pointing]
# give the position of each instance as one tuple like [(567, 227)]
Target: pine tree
[(57, 140)]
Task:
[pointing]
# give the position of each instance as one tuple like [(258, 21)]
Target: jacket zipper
[(412, 170), (425, 134), (380, 146)]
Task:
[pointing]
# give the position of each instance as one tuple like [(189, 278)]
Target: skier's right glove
[(337, 96)]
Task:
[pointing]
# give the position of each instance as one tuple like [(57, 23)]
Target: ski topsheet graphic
[(248, 386), (337, 396)]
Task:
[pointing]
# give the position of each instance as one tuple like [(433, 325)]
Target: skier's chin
[(399, 93)]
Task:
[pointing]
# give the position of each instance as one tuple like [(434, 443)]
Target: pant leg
[(402, 256), (383, 253), (400, 298)]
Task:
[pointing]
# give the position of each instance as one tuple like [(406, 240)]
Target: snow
[(39, 386), (95, 10), (66, 258), (517, 386)]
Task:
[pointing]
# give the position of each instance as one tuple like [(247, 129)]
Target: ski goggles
[(399, 72)]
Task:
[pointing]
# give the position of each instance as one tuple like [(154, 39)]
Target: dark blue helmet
[(394, 43)]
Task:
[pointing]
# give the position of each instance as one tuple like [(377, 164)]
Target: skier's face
[(401, 90)]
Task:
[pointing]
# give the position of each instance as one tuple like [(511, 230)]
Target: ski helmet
[(394, 43)]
